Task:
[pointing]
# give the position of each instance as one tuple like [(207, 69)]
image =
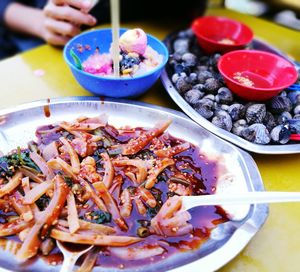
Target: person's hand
[(63, 18)]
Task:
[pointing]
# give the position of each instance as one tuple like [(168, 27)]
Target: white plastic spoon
[(70, 256), (189, 202)]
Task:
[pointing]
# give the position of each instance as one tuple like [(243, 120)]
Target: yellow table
[(277, 246)]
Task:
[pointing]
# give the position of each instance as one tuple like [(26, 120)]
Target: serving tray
[(17, 127), (228, 136)]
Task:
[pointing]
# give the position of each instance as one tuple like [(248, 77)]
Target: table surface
[(41, 73)]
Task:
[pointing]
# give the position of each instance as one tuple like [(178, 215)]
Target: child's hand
[(63, 19)]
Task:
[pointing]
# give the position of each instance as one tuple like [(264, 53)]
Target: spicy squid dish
[(88, 182)]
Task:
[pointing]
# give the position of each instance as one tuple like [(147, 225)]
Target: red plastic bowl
[(256, 75), (221, 34)]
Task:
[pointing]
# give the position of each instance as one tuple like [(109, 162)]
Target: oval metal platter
[(228, 136), (17, 128)]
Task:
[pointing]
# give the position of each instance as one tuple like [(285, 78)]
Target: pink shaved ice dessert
[(98, 64), (136, 57)]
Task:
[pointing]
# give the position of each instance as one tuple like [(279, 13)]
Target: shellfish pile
[(196, 77)]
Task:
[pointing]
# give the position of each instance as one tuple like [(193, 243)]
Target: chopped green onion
[(76, 59)]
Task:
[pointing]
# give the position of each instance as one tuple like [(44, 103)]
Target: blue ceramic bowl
[(86, 43)]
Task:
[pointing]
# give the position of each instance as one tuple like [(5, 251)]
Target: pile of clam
[(196, 78)]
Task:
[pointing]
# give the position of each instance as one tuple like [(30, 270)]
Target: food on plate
[(136, 57), (196, 77), (88, 182)]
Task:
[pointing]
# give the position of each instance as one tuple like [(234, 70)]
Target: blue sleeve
[(3, 6)]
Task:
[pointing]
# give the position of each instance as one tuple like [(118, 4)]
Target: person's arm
[(3, 6), (56, 24), (23, 19)]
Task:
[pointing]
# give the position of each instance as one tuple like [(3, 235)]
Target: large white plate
[(18, 125)]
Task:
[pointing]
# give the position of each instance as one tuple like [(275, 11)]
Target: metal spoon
[(189, 202), (70, 256)]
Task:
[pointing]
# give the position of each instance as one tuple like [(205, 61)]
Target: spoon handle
[(241, 198), (69, 263), (295, 137)]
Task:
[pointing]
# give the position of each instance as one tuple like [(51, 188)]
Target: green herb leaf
[(76, 59), (68, 181), (145, 154), (162, 177), (100, 217), (132, 190), (5, 169), (9, 163), (43, 202), (106, 139)]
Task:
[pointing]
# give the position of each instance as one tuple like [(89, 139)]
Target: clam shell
[(280, 134), (279, 104), (236, 111), (210, 97), (239, 126), (222, 120), (296, 116), (247, 105), (297, 110), (189, 59), (255, 113), (257, 133), (225, 107), (283, 93), (283, 117), (294, 97), (199, 87), (269, 121), (221, 107), (205, 107), (193, 96), (187, 33), (201, 68), (181, 46), (294, 125), (213, 60), (182, 86), (204, 75), (181, 68), (176, 57), (192, 78), (224, 96), (176, 76), (212, 85)]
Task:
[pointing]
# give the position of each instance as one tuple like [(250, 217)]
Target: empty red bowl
[(221, 34), (256, 75)]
